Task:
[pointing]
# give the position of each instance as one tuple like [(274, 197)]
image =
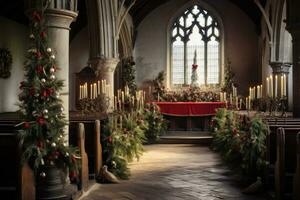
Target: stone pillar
[(58, 22), (105, 69), (103, 40), (293, 26)]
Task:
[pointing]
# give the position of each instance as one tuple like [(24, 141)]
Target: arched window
[(195, 29)]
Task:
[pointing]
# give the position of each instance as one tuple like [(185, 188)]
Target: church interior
[(143, 99)]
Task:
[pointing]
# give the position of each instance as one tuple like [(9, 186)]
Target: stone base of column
[(105, 69)]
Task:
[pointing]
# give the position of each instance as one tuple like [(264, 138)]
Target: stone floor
[(174, 172)]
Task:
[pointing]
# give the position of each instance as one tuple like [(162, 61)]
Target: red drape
[(189, 108)]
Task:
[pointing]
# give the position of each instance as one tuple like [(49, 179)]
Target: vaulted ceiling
[(13, 9), (143, 7)]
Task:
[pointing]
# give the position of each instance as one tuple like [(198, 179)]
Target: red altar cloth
[(189, 108)]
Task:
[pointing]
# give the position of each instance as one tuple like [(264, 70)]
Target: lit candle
[(281, 86), (99, 89), (276, 82), (91, 91), (95, 90), (261, 89), (221, 96), (271, 86), (80, 91), (241, 103), (284, 85), (123, 98), (267, 87)]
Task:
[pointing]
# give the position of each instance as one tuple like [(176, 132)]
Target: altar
[(189, 116)]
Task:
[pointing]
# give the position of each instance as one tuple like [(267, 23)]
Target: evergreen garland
[(241, 141), (42, 130)]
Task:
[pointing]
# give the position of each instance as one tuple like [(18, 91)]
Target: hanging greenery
[(5, 62), (42, 130)]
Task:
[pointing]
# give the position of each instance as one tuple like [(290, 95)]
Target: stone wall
[(240, 45), (15, 37)]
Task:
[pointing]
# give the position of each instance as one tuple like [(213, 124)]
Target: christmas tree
[(229, 78), (42, 133), (194, 77)]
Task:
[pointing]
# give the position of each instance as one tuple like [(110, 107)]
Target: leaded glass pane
[(213, 65)]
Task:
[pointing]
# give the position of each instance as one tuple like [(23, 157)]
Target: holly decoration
[(43, 121)]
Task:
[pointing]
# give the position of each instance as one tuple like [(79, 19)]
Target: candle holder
[(99, 104)]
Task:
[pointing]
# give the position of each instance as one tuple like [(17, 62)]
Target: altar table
[(189, 115)]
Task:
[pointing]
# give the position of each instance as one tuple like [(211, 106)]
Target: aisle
[(174, 172)]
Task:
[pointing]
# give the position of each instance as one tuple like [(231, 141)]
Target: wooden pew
[(296, 189), (285, 166), (84, 170), (17, 182), (98, 147)]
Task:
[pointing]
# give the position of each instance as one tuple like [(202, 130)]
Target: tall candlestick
[(276, 83), (80, 91), (271, 86), (267, 87), (281, 86), (91, 91), (98, 87), (284, 85)]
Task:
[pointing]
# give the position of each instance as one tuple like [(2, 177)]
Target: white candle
[(80, 91), (267, 87), (261, 89), (91, 91), (98, 87), (247, 106), (281, 86), (271, 86), (230, 98), (95, 90), (241, 103), (276, 85), (284, 85)]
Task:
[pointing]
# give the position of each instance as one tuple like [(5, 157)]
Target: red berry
[(39, 69), (43, 34), (26, 125), (41, 121)]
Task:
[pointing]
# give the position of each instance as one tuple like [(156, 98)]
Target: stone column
[(58, 22), (105, 69), (296, 72), (293, 26), (103, 40)]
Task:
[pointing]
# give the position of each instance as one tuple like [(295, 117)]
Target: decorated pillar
[(58, 17), (293, 26), (105, 19), (103, 41)]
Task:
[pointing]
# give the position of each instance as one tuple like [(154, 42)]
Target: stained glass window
[(196, 29)]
